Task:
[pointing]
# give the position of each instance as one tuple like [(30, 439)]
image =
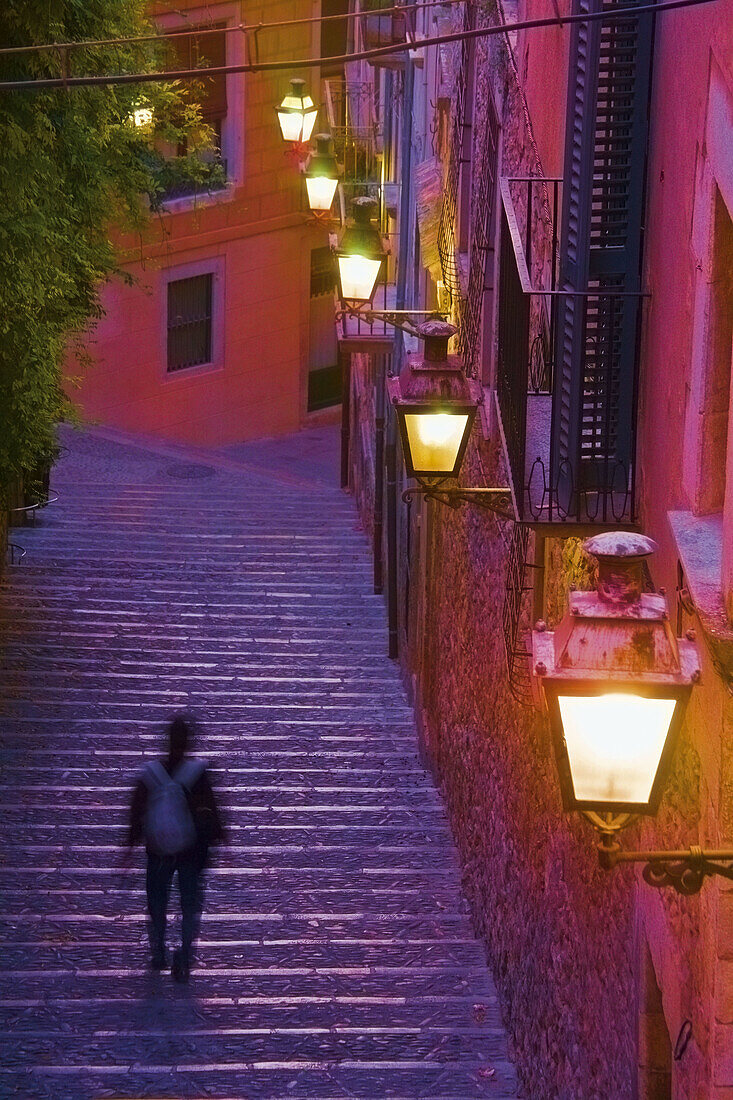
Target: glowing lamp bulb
[(320, 192), (142, 116), (614, 744), (435, 439), (359, 276)]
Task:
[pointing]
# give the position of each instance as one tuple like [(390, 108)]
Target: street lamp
[(615, 682), (360, 256), (142, 117), (297, 113), (321, 176), (435, 405)]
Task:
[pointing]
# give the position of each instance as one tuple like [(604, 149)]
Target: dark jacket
[(201, 802)]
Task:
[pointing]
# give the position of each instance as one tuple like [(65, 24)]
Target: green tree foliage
[(75, 171)]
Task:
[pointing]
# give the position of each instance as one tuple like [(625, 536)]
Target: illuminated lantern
[(297, 113), (435, 405), (360, 256), (142, 116), (615, 682), (321, 175)]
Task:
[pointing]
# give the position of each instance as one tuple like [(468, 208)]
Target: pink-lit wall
[(684, 419), (256, 240), (691, 153), (600, 974)]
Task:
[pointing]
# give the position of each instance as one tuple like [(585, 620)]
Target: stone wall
[(599, 974), (559, 933)]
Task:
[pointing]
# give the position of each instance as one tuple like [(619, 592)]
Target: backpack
[(169, 825)]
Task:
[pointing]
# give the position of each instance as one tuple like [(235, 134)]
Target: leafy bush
[(75, 171)]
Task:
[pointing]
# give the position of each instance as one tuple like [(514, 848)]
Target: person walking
[(174, 811)]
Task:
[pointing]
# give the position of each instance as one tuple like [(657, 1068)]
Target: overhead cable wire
[(236, 28), (606, 16)]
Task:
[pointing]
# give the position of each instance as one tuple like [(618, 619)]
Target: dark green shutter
[(600, 249)]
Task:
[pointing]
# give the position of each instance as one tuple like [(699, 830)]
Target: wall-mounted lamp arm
[(684, 870), (398, 318), (496, 500)]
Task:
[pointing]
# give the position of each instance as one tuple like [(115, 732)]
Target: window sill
[(699, 541), (194, 371), (198, 199)]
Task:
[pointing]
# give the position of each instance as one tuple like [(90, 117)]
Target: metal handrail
[(17, 552)]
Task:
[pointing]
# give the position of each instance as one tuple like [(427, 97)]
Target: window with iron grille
[(189, 322), (322, 271)]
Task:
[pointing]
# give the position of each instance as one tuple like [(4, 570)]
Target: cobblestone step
[(434, 835), (108, 901), (132, 981), (159, 1012), (336, 956), (267, 927), (115, 955), (117, 1048), (296, 1080)]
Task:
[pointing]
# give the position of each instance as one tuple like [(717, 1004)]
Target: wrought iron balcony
[(567, 371)]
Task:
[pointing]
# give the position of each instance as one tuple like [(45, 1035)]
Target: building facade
[(569, 196), (223, 305)]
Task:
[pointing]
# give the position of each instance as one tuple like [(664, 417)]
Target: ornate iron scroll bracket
[(684, 871), (496, 500), (398, 318)]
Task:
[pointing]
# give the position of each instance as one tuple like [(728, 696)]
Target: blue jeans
[(159, 877)]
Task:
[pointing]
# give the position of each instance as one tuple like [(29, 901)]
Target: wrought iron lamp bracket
[(496, 500), (398, 318), (684, 871)]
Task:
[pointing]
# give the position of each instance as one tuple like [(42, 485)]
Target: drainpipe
[(378, 524), (379, 477), (344, 358), (391, 448)]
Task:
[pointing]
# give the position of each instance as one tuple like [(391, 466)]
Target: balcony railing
[(567, 365)]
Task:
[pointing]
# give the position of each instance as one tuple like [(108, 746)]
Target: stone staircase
[(336, 956)]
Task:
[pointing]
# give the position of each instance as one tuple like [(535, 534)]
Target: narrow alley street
[(336, 955)]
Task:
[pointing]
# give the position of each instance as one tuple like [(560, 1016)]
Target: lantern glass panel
[(359, 276), (309, 122), (320, 190), (297, 118), (435, 440), (614, 744)]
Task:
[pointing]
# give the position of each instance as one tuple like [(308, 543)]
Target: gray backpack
[(169, 826)]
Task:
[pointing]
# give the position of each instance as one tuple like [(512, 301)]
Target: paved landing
[(336, 957)]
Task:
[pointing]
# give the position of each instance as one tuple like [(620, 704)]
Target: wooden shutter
[(600, 247)]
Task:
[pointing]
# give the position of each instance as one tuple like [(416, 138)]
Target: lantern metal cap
[(620, 544), (436, 335), (322, 162), (363, 209), (324, 145), (432, 377), (620, 557), (618, 631), (362, 238)]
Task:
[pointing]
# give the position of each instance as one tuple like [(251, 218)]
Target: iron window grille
[(323, 273), (190, 322)]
